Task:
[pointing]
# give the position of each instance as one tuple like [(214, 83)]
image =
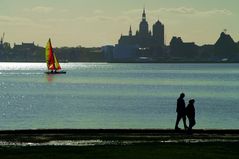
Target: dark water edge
[(129, 62), (115, 131)]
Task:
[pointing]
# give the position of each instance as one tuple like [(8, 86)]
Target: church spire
[(130, 31), (144, 15), (143, 26)]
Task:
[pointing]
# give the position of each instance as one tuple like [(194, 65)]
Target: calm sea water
[(100, 95)]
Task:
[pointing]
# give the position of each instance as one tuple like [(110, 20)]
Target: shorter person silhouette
[(190, 113)]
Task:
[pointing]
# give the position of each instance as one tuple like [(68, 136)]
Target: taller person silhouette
[(181, 112)]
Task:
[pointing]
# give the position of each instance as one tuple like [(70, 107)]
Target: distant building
[(108, 52), (25, 46), (1, 47), (226, 48), (206, 53), (125, 52), (148, 43), (180, 49), (143, 37), (28, 52)]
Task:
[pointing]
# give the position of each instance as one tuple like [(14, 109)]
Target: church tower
[(158, 33), (144, 26)]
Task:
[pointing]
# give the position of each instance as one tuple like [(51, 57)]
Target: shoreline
[(132, 62), (81, 137), (129, 130)]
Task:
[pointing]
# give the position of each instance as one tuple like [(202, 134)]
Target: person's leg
[(179, 117), (191, 124), (177, 121), (184, 122)]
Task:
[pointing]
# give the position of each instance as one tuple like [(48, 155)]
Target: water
[(100, 95)]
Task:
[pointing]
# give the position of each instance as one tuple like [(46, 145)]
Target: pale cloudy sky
[(101, 22)]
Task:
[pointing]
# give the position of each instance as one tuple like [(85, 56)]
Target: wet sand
[(118, 144), (79, 137)]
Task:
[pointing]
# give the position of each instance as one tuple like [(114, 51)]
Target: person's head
[(182, 95), (191, 101)]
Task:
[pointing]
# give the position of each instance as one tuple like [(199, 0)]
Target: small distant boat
[(51, 61)]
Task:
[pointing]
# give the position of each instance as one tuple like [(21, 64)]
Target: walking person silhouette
[(181, 114), (190, 112)]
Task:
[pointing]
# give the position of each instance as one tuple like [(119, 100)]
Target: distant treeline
[(29, 52)]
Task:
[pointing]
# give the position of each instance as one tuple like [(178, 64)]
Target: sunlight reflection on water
[(102, 95), (11, 66)]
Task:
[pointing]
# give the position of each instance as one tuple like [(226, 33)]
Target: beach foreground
[(118, 143)]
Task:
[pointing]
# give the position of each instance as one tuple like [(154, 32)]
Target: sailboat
[(51, 61)]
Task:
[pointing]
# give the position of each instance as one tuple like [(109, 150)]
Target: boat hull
[(53, 73)]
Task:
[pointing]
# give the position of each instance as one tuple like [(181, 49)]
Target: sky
[(93, 23)]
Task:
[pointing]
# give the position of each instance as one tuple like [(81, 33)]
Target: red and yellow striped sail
[(51, 60)]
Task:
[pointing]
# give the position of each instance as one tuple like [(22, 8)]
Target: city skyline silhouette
[(90, 23)]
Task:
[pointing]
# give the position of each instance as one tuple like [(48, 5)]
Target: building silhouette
[(180, 49), (25, 46), (226, 48), (144, 44), (143, 37)]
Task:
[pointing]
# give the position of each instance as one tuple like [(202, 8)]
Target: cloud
[(133, 11), (40, 9), (98, 11), (218, 11), (193, 11), (183, 11), (20, 22), (14, 20), (103, 19)]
